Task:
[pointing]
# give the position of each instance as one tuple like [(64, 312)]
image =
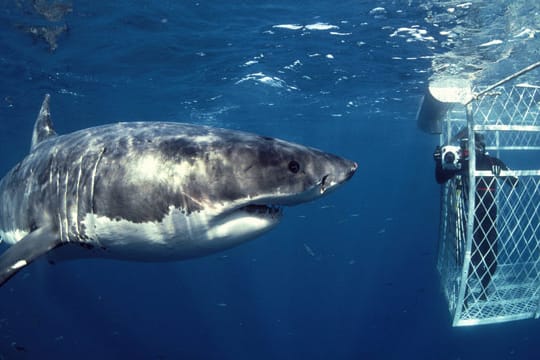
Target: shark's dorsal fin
[(43, 128)]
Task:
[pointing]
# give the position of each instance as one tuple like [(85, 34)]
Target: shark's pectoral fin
[(27, 250)]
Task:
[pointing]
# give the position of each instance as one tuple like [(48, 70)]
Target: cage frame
[(458, 226)]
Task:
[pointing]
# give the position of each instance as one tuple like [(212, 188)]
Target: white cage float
[(509, 119)]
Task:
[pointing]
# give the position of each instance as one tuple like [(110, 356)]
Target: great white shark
[(152, 191)]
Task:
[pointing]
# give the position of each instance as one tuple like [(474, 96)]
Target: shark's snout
[(352, 170), (338, 176)]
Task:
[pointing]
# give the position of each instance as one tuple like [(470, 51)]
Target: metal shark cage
[(508, 117)]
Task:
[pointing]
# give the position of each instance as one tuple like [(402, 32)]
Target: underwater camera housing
[(451, 157)]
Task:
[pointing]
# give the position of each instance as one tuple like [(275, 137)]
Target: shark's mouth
[(272, 206), (264, 210)]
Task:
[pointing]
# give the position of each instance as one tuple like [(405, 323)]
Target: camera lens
[(449, 157)]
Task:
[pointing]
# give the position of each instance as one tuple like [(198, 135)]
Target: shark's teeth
[(273, 210)]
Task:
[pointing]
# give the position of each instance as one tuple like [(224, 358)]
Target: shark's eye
[(294, 166)]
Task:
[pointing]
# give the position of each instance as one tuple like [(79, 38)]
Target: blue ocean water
[(351, 276)]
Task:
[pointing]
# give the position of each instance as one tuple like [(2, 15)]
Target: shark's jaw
[(243, 223), (250, 218)]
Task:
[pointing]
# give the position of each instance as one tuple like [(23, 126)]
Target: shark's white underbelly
[(177, 236)]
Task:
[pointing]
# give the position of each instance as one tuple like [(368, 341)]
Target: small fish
[(309, 250)]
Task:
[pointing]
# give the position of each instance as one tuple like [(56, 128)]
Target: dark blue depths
[(351, 276)]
